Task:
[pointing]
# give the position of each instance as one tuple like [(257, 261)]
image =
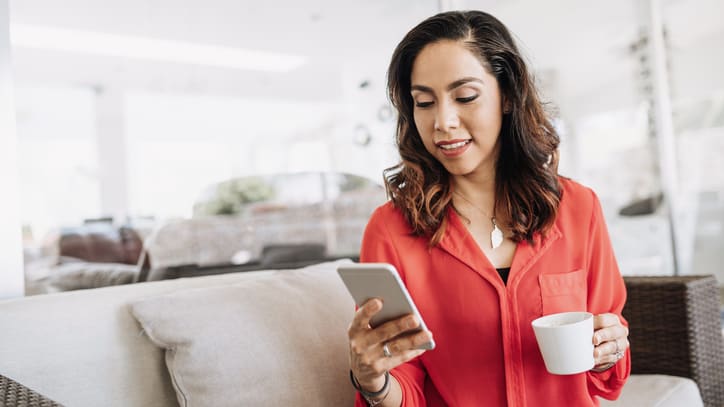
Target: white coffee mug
[(565, 341)]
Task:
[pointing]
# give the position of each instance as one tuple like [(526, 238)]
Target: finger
[(609, 333), (391, 329), (397, 358), (623, 344), (374, 361), (378, 366), (606, 348), (604, 351), (605, 320), (361, 320), (406, 343), (608, 358)]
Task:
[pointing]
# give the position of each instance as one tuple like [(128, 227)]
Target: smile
[(453, 146)]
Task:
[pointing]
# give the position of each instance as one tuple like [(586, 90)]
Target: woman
[(485, 235)]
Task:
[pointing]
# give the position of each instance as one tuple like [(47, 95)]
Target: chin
[(459, 169), (473, 163)]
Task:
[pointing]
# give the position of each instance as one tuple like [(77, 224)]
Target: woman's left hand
[(610, 339)]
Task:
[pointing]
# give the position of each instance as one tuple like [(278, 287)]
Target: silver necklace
[(496, 235)]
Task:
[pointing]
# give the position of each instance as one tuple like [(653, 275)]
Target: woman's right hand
[(367, 357)]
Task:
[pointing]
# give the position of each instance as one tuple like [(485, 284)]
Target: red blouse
[(486, 352)]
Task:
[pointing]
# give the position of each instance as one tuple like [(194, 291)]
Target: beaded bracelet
[(371, 396)]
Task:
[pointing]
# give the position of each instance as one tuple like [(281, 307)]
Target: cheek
[(484, 122), (424, 129), (420, 123)]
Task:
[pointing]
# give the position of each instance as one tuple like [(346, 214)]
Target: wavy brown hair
[(526, 179)]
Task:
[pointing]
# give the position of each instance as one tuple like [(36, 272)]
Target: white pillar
[(11, 247), (665, 142), (112, 153)]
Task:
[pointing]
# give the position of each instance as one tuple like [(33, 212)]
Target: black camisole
[(504, 271)]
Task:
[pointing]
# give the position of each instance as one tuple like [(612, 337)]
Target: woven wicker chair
[(14, 394), (676, 330)]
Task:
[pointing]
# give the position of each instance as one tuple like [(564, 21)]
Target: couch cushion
[(657, 391), (272, 341), (84, 348)]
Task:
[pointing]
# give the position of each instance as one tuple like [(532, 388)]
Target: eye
[(467, 99), (423, 105)]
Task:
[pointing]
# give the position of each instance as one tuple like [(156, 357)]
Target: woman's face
[(457, 108)]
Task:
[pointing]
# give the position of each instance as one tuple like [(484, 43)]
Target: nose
[(446, 118)]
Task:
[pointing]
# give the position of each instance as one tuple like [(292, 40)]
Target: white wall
[(11, 260)]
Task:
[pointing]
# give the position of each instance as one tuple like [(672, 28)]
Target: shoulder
[(576, 194), (387, 234), (578, 202), (389, 217)]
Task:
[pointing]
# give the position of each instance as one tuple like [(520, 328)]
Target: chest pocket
[(563, 292)]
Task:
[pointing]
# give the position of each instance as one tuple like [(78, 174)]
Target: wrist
[(372, 386), (372, 398), (603, 367)]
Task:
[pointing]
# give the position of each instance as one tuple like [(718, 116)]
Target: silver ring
[(386, 351), (618, 354)]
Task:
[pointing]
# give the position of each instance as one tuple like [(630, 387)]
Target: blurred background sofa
[(279, 221), (94, 254)]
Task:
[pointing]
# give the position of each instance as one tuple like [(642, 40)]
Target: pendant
[(496, 236)]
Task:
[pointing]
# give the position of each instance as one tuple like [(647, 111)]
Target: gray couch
[(262, 338)]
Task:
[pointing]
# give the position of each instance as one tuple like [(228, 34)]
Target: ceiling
[(580, 50)]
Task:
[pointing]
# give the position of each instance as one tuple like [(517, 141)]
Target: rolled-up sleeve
[(378, 246), (607, 294)]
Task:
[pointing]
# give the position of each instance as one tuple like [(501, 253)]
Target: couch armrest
[(676, 330), (14, 394)]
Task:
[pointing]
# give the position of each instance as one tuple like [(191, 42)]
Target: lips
[(447, 145), (453, 148)]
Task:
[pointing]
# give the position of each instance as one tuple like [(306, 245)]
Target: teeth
[(453, 146)]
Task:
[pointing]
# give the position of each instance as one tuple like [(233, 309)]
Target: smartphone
[(381, 280)]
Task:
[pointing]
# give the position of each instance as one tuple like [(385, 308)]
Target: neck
[(478, 189)]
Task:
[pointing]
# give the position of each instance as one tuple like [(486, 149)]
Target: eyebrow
[(456, 84)]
